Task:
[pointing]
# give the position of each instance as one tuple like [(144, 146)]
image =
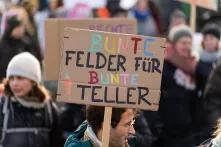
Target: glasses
[(129, 124)]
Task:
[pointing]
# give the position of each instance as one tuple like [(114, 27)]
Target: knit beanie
[(178, 32), (212, 29), (25, 65)]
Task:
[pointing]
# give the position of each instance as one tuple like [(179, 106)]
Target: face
[(210, 43), (183, 46), (20, 86), (18, 31), (124, 129)]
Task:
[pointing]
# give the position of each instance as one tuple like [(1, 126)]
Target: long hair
[(37, 90)]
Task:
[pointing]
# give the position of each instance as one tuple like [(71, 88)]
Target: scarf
[(186, 67), (142, 16), (211, 57), (184, 80), (90, 135), (30, 102)]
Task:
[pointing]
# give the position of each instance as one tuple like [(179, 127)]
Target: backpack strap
[(24, 130), (5, 114), (50, 113)]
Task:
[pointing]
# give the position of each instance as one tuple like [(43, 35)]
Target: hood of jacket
[(76, 139)]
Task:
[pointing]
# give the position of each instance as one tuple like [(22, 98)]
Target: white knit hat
[(179, 31), (25, 65)]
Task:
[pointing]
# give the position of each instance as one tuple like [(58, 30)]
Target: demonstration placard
[(110, 69), (208, 4), (54, 34)]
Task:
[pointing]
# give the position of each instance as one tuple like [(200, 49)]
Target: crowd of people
[(190, 103)]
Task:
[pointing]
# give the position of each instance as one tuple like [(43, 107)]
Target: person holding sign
[(89, 134), (178, 89), (28, 118)]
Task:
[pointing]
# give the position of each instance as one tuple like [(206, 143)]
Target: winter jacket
[(75, 140), (203, 70), (204, 67), (144, 136), (202, 74), (73, 115), (28, 125), (212, 97), (177, 103)]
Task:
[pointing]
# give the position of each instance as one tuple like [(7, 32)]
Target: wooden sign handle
[(106, 126), (193, 17)]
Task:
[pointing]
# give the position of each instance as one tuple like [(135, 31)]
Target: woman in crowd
[(12, 43), (208, 57), (28, 118), (178, 89)]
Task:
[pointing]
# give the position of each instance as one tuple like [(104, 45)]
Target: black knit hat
[(178, 32), (212, 29)]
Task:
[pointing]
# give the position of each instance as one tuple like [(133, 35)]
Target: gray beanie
[(178, 32), (25, 65)]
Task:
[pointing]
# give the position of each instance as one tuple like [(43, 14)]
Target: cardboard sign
[(110, 69), (209, 4), (54, 35)]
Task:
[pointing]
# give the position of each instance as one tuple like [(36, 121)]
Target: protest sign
[(54, 34), (110, 69), (208, 4)]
